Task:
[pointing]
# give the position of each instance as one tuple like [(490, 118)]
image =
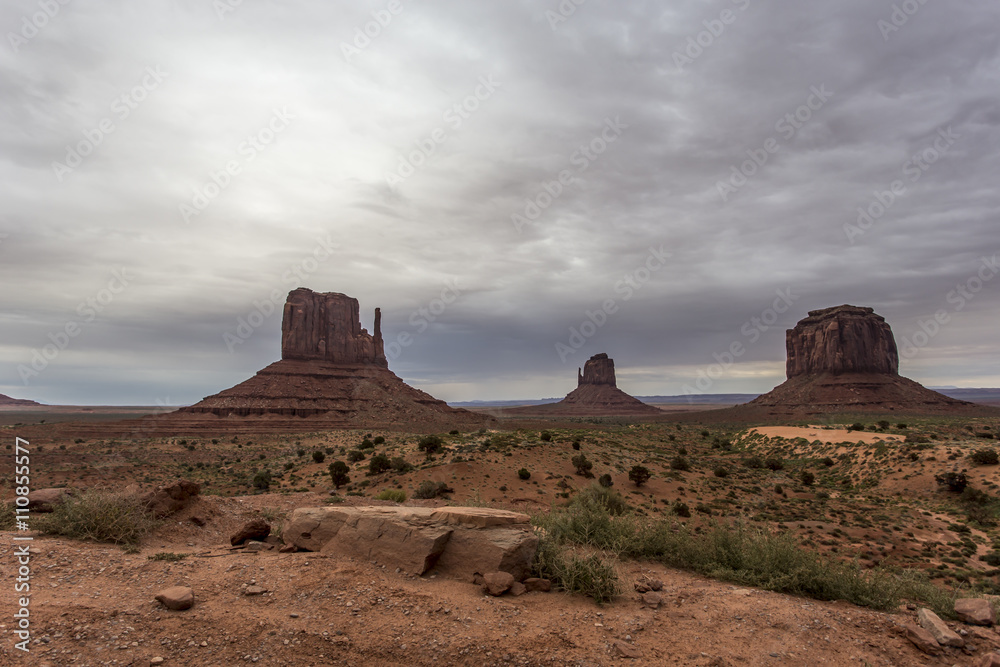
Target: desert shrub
[(594, 575), (430, 444), (639, 475), (681, 509), (366, 444), (168, 556), (582, 464), (395, 495), (901, 426), (355, 455), (453, 431), (828, 462), (721, 471), (523, 473), (602, 498), (606, 481), (774, 464), (705, 434), (985, 457), (400, 465), (379, 463), (992, 559), (545, 436), (120, 518), (261, 480), (680, 463), (378, 440), (807, 478), (778, 489), (7, 516), (754, 462), (857, 426), (300, 452), (319, 456), (955, 481), (883, 425), (429, 489), (339, 474), (682, 450), (576, 445)]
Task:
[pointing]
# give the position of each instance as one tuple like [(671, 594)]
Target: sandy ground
[(830, 436)]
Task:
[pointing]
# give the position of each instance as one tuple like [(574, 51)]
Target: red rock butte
[(596, 394), (7, 401), (844, 360), (332, 374)]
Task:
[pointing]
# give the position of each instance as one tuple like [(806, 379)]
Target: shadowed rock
[(843, 339)]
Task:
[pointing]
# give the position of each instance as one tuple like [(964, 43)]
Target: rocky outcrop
[(45, 500), (168, 499), (7, 401), (599, 369), (326, 326), (843, 339), (596, 394), (255, 529), (456, 541)]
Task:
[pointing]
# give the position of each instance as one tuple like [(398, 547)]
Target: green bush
[(828, 462), (400, 465), (355, 455), (395, 495), (985, 457), (379, 464), (606, 481), (453, 431), (576, 445), (721, 471), (429, 489), (545, 436), (774, 464), (366, 444), (582, 464), (681, 509), (430, 444), (262, 480), (524, 474), (639, 475), (339, 474), (319, 456), (591, 574), (378, 440), (955, 481), (680, 463), (754, 462), (807, 478), (857, 426), (103, 516)]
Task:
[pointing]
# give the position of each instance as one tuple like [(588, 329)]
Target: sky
[(517, 185)]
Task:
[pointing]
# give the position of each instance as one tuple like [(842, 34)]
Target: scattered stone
[(626, 650), (255, 529), (922, 639), (944, 635), (253, 545), (536, 584), (171, 498), (156, 661), (254, 590), (652, 600), (497, 583), (517, 588), (975, 611), (288, 549), (177, 598)]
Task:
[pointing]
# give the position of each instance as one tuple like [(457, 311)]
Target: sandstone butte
[(332, 374), (596, 393)]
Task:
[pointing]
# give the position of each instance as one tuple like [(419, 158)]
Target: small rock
[(156, 661), (293, 615), (626, 650), (652, 600), (254, 590), (517, 588), (479, 579), (536, 584), (944, 635), (497, 583), (288, 549), (655, 585), (177, 598), (922, 639), (974, 611), (256, 529)]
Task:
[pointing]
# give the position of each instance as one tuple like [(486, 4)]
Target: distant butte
[(332, 374), (7, 401), (844, 360), (596, 394)]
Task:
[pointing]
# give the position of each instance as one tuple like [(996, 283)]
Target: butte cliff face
[(844, 360), (7, 401), (596, 393), (843, 339), (332, 374)]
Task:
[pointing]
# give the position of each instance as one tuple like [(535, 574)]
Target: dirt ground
[(94, 605), (825, 435)]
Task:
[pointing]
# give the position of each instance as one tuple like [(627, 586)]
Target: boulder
[(975, 611), (989, 660), (457, 541), (922, 639), (44, 500), (255, 529), (842, 339), (177, 598), (497, 583), (171, 498), (942, 634)]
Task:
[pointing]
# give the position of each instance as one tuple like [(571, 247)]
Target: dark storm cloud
[(535, 155)]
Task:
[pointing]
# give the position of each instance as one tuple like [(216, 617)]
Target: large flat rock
[(458, 541)]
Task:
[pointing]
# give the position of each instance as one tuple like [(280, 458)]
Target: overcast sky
[(529, 155)]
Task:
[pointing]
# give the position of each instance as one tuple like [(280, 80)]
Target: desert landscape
[(324, 512)]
